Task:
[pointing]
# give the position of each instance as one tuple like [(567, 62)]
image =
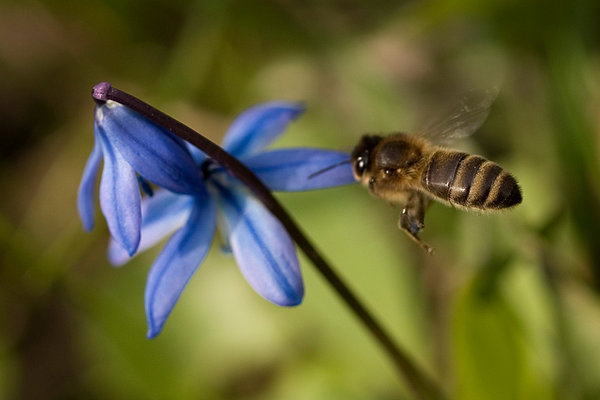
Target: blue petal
[(152, 151), (291, 169), (197, 154), (262, 248), (87, 188), (258, 126), (178, 261), (162, 214), (120, 197)]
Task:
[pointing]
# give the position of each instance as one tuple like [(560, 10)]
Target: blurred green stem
[(422, 386)]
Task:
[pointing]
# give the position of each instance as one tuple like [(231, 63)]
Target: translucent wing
[(462, 119)]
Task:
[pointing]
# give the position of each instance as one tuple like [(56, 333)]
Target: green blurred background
[(508, 308)]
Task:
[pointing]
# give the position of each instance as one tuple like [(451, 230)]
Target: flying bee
[(411, 170)]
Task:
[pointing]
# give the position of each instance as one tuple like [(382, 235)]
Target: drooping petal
[(162, 214), (86, 194), (258, 126), (177, 262), (152, 151), (120, 197), (291, 169), (262, 248)]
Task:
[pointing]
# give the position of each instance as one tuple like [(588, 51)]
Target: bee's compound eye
[(388, 172), (360, 165)]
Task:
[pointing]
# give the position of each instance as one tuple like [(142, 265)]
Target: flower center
[(208, 167)]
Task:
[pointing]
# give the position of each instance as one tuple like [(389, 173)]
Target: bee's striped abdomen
[(470, 181)]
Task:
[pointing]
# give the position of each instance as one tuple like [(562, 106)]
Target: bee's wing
[(461, 120)]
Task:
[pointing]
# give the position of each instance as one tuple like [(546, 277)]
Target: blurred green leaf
[(489, 356), (494, 354)]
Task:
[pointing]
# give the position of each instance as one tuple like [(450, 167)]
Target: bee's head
[(361, 154)]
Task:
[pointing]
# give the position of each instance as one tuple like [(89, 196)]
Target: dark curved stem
[(420, 384)]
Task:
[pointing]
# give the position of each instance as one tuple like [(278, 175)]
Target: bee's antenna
[(319, 172)]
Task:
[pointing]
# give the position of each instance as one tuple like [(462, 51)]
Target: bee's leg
[(412, 217)]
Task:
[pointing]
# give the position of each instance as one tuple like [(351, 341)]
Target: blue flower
[(195, 195)]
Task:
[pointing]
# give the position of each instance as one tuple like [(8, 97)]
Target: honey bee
[(411, 170)]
